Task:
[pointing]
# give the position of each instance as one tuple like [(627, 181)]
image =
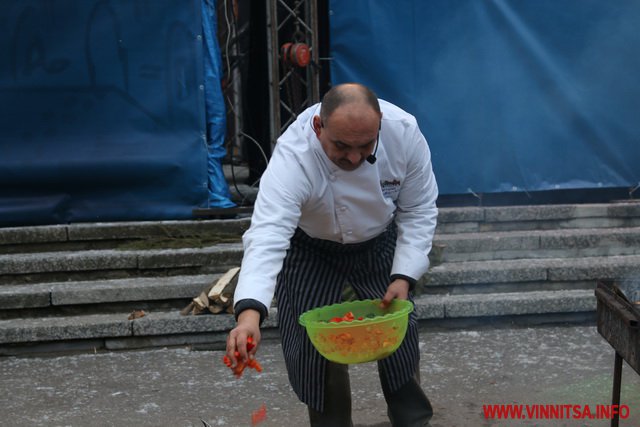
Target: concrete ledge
[(175, 327), (613, 237), (64, 328), (527, 270), (142, 230), (104, 291), (457, 227), (66, 261), (120, 231), (429, 307), (216, 339), (538, 217), (136, 289), (38, 234), (627, 209), (25, 296), (508, 275), (47, 262), (475, 272), (543, 212), (507, 304), (197, 341), (220, 255), (614, 267), (487, 242), (467, 218), (464, 214), (568, 243), (174, 323), (52, 347), (595, 222), (116, 325)]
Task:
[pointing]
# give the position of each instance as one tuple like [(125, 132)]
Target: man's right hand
[(248, 326)]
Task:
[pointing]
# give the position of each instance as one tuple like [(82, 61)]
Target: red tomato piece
[(259, 415)]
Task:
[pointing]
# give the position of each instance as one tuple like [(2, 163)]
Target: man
[(348, 196)]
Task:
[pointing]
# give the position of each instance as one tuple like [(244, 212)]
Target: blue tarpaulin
[(511, 95), (102, 111), (219, 196)]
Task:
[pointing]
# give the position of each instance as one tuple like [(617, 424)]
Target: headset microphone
[(371, 158)]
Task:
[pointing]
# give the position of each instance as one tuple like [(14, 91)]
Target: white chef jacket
[(302, 188)]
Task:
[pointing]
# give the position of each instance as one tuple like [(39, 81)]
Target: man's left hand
[(399, 288)]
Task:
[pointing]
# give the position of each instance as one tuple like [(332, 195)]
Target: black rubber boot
[(337, 399), (407, 406)]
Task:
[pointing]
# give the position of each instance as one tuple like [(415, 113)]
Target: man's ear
[(317, 125)]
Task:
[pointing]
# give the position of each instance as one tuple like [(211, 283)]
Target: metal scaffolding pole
[(292, 43)]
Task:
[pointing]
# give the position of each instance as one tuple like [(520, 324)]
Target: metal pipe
[(274, 73), (617, 380)]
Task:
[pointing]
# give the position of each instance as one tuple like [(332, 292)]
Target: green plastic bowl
[(377, 335)]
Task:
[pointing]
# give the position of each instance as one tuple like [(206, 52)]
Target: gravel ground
[(462, 370)]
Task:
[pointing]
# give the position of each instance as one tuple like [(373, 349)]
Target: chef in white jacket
[(349, 196)]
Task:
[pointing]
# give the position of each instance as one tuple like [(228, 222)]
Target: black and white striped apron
[(313, 274)]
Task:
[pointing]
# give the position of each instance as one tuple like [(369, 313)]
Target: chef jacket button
[(349, 232), (332, 177), (343, 208)]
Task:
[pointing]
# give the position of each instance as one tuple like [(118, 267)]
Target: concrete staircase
[(72, 287), (528, 263)]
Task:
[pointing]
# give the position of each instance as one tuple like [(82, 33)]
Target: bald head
[(348, 94), (348, 124)]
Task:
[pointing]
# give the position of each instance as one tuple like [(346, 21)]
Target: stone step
[(505, 304), (115, 332), (124, 235), (89, 236), (76, 265), (574, 243), (72, 286), (538, 217), (36, 267), (15, 300), (527, 274)]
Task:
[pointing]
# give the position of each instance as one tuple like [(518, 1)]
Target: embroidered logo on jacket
[(390, 189)]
